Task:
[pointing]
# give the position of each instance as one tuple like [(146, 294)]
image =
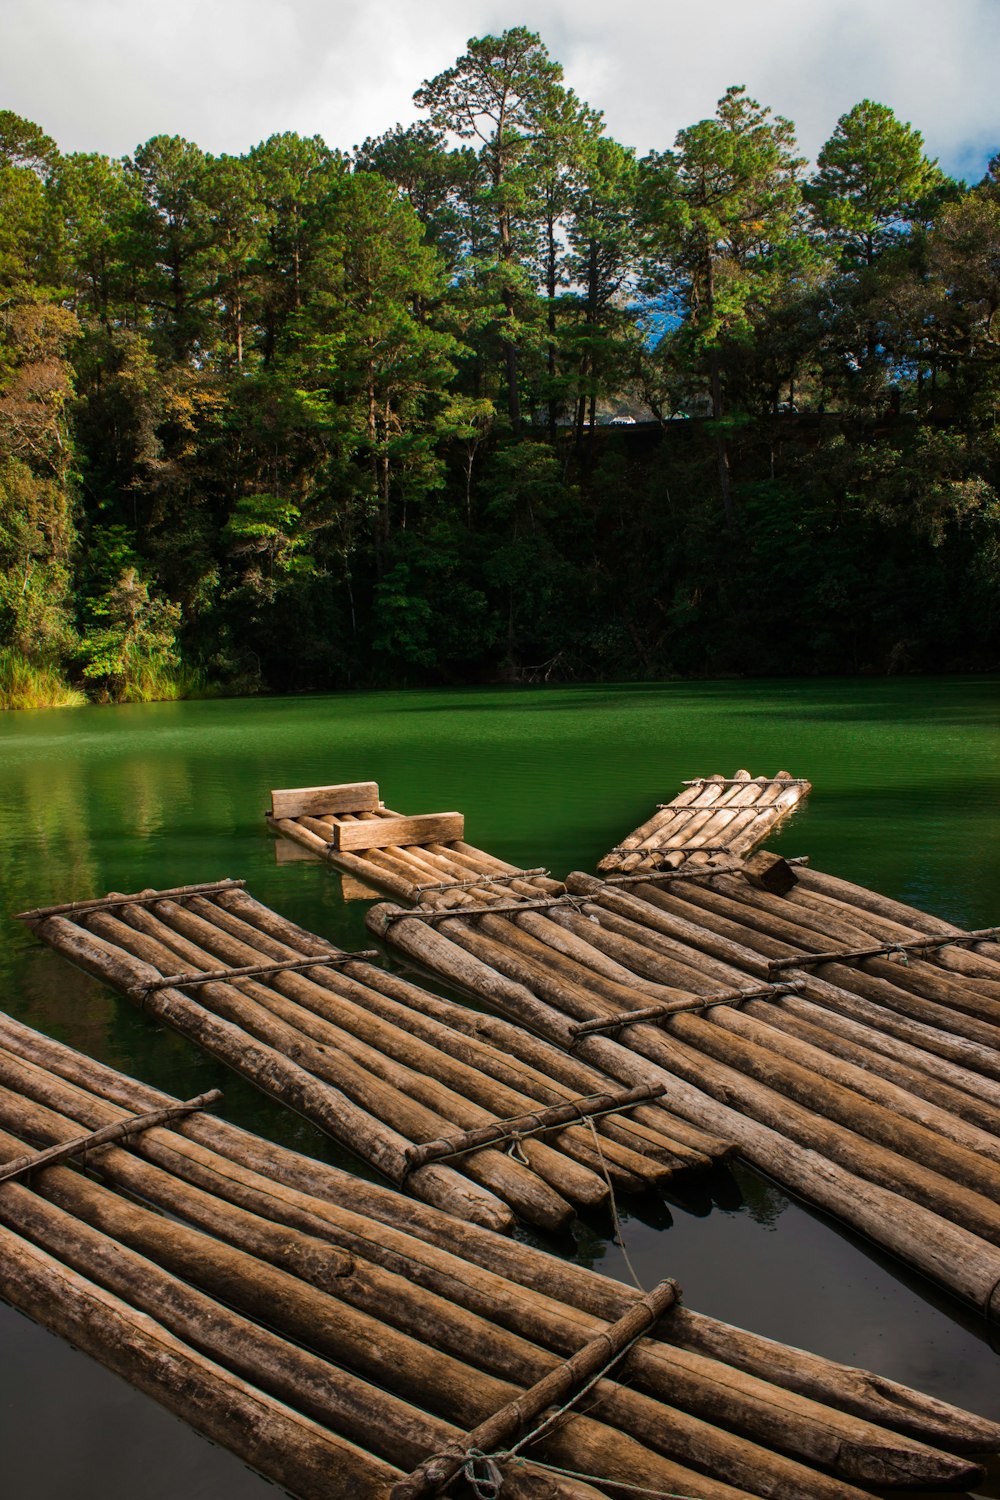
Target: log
[(546, 1119), (299, 1455), (770, 872), (275, 1074)]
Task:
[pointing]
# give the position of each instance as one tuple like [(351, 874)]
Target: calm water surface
[(907, 799)]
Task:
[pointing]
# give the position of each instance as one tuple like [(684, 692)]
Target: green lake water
[(906, 799)]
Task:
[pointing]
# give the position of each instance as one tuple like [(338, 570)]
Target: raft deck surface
[(335, 1334), (713, 816), (850, 1044), (477, 1118)]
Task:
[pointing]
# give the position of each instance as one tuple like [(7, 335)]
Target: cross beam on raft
[(886, 950), (531, 1124), (741, 781), (333, 1332), (141, 898), (462, 885), (20, 1166), (682, 1007), (467, 913), (564, 1385), (189, 981)]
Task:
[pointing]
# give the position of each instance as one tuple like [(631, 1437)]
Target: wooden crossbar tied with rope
[(683, 1007), (484, 879), (520, 1126), (470, 913), (885, 950), (191, 980), (81, 1145), (561, 1387), (108, 903)]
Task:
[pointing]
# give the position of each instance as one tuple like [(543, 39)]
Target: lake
[(906, 799)]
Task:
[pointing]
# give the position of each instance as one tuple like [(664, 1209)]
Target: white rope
[(619, 1237)]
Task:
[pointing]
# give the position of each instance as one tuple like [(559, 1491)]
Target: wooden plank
[(426, 828), (314, 801)]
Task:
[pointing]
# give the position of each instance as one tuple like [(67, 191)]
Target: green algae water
[(906, 799)]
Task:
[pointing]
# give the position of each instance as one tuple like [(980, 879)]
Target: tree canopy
[(489, 398)]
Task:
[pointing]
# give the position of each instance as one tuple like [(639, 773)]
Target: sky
[(105, 75)]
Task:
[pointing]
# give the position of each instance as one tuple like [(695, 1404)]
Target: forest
[(490, 398)]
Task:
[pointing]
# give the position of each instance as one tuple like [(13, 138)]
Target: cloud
[(107, 74)]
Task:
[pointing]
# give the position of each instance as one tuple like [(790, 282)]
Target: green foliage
[(23, 684), (128, 650), (873, 182)]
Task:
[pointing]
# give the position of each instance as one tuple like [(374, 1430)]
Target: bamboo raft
[(848, 1043), (467, 1112), (350, 1343)]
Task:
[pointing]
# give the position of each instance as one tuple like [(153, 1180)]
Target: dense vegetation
[(298, 419)]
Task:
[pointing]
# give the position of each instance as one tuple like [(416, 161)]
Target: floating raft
[(415, 858), (847, 1042), (713, 816), (350, 1343), (468, 1113)]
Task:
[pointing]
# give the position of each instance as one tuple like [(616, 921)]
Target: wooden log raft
[(712, 816), (474, 1264), (871, 1454), (910, 1209), (351, 828), (315, 1029)]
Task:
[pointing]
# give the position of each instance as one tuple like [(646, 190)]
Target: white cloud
[(107, 74)]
